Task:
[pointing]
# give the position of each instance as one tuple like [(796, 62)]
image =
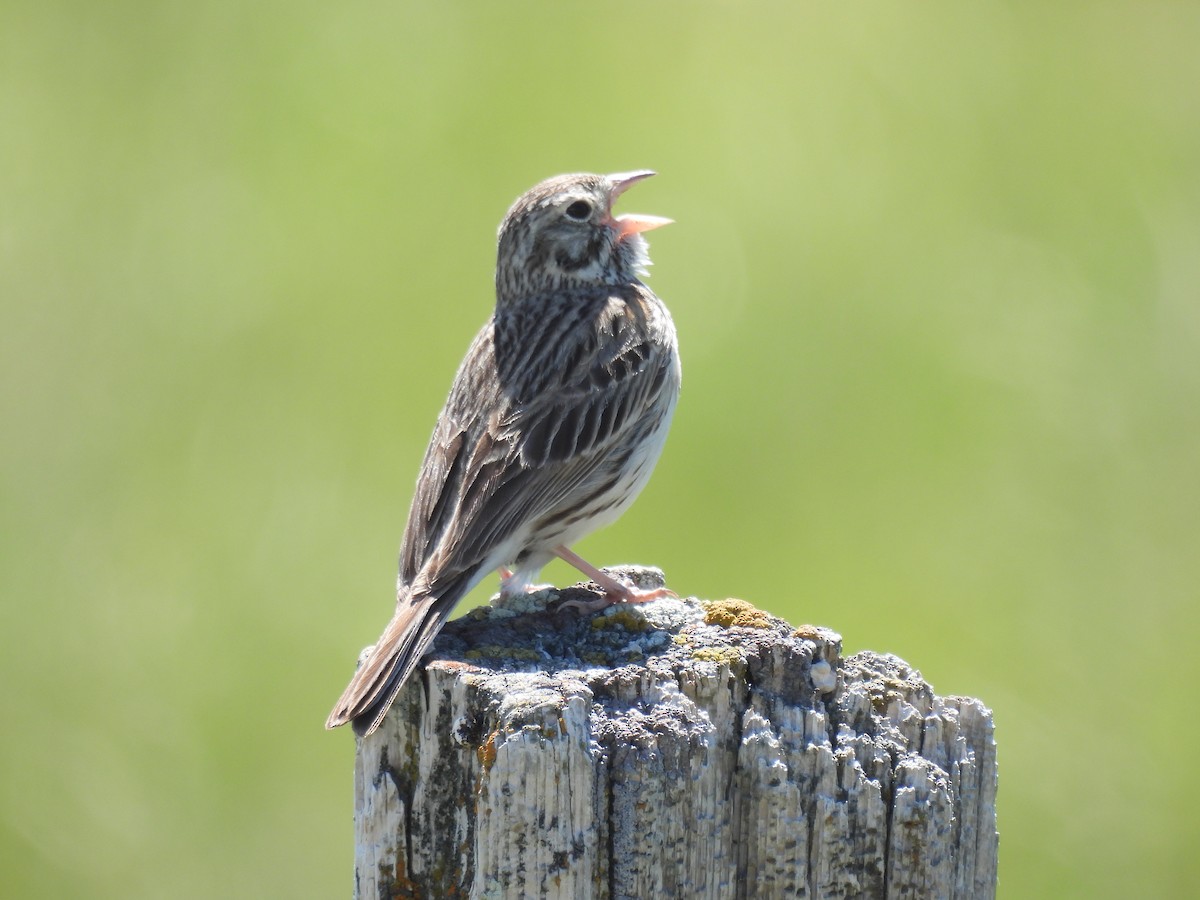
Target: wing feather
[(499, 461)]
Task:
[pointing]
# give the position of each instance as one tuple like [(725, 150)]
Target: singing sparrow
[(555, 420)]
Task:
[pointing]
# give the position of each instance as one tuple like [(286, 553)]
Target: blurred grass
[(935, 275)]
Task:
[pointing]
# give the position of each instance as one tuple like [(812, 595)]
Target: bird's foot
[(614, 591)]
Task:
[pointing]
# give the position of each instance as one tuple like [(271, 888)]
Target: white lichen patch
[(824, 678)]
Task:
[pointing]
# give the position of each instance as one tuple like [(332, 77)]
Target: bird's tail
[(382, 674)]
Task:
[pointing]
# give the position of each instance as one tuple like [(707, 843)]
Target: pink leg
[(614, 591)]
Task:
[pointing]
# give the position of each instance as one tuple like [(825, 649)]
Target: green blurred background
[(935, 277)]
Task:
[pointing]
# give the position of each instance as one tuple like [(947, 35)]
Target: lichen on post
[(678, 748)]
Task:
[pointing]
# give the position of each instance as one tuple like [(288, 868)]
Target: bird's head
[(562, 234)]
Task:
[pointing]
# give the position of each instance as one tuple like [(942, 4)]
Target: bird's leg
[(614, 591), (508, 585), (517, 582)]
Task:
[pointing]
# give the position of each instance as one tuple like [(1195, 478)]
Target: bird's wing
[(463, 453), (604, 383), (504, 455), (601, 383)]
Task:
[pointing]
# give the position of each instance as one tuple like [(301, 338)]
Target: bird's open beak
[(632, 223)]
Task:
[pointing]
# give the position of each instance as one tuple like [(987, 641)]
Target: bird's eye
[(579, 210)]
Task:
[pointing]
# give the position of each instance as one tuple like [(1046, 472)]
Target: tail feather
[(379, 679)]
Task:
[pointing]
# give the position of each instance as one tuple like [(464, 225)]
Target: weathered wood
[(673, 749)]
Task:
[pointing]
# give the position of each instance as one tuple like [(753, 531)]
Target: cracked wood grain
[(674, 749)]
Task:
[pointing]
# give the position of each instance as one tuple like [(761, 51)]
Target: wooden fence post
[(675, 749)]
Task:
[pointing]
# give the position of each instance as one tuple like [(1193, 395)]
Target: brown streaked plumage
[(555, 420)]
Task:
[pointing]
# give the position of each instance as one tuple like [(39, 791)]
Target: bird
[(554, 422)]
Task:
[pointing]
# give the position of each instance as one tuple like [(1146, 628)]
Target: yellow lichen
[(629, 619), (727, 655), (486, 751), (739, 613)]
